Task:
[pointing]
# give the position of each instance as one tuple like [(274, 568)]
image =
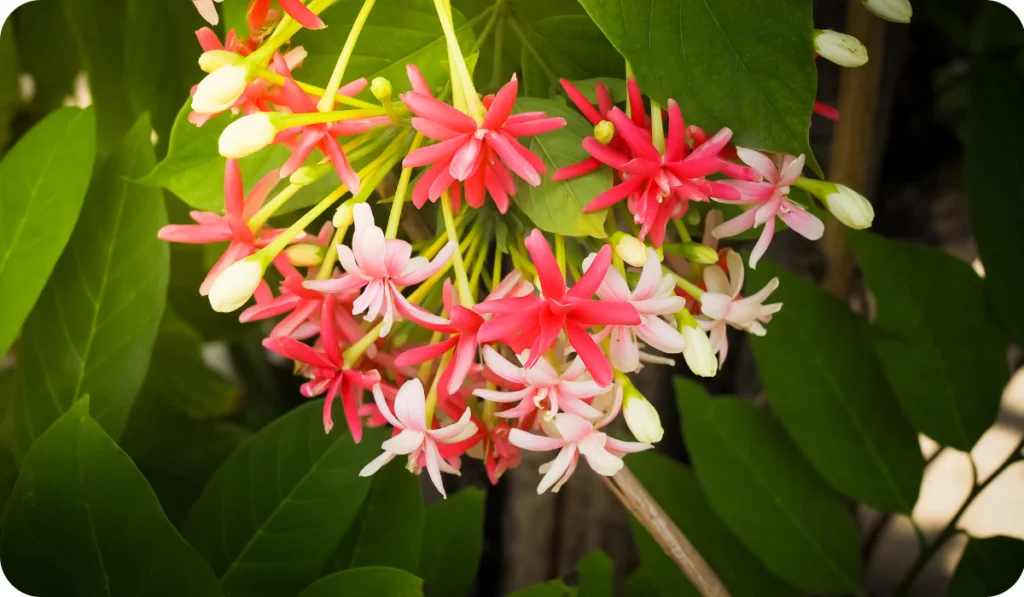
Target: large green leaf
[(388, 529), (94, 325), (988, 567), (569, 46), (453, 538), (743, 64), (375, 581), (948, 372), (83, 522), (557, 207), (676, 490), (274, 511), (774, 502), (597, 575), (552, 588), (397, 33), (994, 154), (827, 387), (42, 184), (47, 51)]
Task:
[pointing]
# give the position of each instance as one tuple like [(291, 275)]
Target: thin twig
[(635, 498)]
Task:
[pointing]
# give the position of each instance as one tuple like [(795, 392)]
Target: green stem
[(403, 186), (277, 79), (461, 280), (270, 208), (657, 130), (326, 103), (690, 288), (352, 354), (560, 253), (283, 33), (327, 267), (431, 402), (461, 71)]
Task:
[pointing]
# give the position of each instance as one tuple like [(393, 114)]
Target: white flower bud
[(220, 89), (698, 253), (344, 216), (641, 416), (235, 285), (897, 11), (380, 88), (216, 59), (840, 48), (630, 249), (305, 255), (849, 207), (700, 358), (247, 135)]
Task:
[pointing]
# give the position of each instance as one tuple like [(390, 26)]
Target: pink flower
[(771, 199), (415, 438), (535, 322), (382, 267), (327, 373), (463, 326), (572, 436), (232, 226), (566, 392), (597, 114), (207, 10), (722, 305), (658, 187), (478, 154), (258, 10), (653, 297)]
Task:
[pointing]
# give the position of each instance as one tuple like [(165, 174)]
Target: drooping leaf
[(948, 372), (828, 389), (42, 185), (767, 494), (453, 539), (743, 64), (674, 487), (597, 575), (996, 203), (389, 527), (94, 325), (988, 567), (83, 522), (374, 581), (557, 207), (274, 511)]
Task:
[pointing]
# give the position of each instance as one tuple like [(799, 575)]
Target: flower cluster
[(475, 344)]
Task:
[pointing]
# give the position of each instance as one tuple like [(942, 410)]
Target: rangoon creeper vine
[(462, 355)]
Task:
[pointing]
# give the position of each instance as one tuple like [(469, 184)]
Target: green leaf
[(743, 64), (676, 490), (376, 581), (453, 539), (83, 521), (274, 511), (988, 567), (569, 46), (48, 51), (597, 575), (994, 153), (826, 385), (397, 33), (94, 325), (557, 207), (948, 371), (42, 185), (552, 588), (388, 529), (761, 487)]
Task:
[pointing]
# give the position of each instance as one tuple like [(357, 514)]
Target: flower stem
[(352, 354), (459, 69), (690, 288), (290, 120), (270, 208), (326, 103), (284, 32), (461, 280), (276, 79), (421, 293), (560, 253), (327, 267), (400, 192), (432, 394), (684, 234)]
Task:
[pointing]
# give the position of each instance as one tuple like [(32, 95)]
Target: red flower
[(258, 10), (480, 155), (535, 322)]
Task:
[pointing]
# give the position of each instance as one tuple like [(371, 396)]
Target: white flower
[(642, 418), (897, 11), (235, 285), (840, 48), (247, 135), (220, 89)]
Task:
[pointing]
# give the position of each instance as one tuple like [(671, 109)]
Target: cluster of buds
[(473, 347)]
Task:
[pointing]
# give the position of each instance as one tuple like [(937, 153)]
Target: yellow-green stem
[(496, 273), (421, 292), (284, 31), (270, 208), (560, 253), (400, 192), (657, 130), (352, 354), (465, 79), (684, 234), (326, 103), (461, 280), (327, 267), (432, 394), (277, 79), (690, 288)]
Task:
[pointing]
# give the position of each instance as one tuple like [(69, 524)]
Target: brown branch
[(853, 142), (635, 498)]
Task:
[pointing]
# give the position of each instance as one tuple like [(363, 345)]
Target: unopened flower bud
[(247, 135), (380, 88), (306, 175), (604, 132), (692, 218), (630, 249), (305, 255), (220, 89), (344, 216), (235, 285), (840, 48), (897, 11), (641, 416), (216, 59), (698, 253), (849, 207), (699, 355)]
